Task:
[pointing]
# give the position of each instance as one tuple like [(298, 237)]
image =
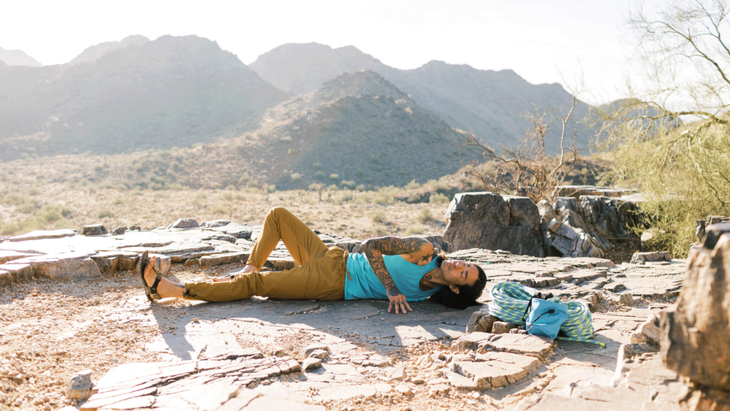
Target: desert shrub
[(385, 195), (680, 182), (31, 224), (334, 176), (179, 187), (413, 230), (318, 175), (62, 223), (378, 216), (285, 139), (348, 184), (360, 187), (437, 186), (15, 200), (424, 215), (295, 177), (438, 198), (317, 165), (27, 208), (219, 210), (10, 228), (33, 191), (364, 198), (49, 214), (343, 197), (412, 185), (379, 231), (105, 213), (243, 179), (682, 169)]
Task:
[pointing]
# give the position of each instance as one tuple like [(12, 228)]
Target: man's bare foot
[(165, 288), (247, 269)]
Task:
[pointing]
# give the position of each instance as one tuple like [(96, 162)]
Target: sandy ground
[(52, 330), (49, 330), (347, 213)]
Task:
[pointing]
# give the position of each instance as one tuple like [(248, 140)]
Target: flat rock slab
[(497, 369), (225, 258), (9, 255), (527, 344), (18, 272), (575, 277), (6, 278), (43, 234), (65, 266), (194, 385), (648, 386)]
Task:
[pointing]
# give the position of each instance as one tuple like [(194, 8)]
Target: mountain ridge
[(18, 58), (479, 101), (173, 91), (93, 53), (337, 135)]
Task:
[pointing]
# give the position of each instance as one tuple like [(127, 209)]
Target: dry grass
[(113, 207)]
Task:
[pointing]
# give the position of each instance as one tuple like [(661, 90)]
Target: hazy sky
[(538, 39)]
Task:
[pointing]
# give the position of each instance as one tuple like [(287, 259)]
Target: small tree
[(528, 169), (671, 137)]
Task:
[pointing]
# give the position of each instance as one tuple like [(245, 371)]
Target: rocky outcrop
[(651, 257), (95, 229), (491, 221), (696, 332), (585, 226), (572, 242), (571, 227), (704, 222)]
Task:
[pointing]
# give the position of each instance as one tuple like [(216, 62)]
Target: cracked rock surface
[(258, 353)]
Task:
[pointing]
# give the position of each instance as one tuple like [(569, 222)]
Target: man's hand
[(400, 303), (374, 249)]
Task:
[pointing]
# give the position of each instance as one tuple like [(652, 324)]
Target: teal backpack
[(544, 317)]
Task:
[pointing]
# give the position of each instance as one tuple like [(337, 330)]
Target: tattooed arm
[(414, 250)]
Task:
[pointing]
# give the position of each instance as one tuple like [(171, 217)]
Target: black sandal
[(150, 292)]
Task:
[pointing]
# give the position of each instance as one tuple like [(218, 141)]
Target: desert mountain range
[(17, 58), (487, 103), (300, 113)]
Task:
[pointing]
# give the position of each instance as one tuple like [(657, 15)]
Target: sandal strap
[(153, 288)]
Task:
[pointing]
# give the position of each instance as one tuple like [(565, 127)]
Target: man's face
[(458, 272)]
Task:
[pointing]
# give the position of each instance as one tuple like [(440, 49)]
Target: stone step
[(225, 258), (497, 369), (527, 344)]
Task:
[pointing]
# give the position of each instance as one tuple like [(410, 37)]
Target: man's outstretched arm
[(417, 250)]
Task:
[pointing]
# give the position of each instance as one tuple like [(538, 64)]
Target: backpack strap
[(529, 303)]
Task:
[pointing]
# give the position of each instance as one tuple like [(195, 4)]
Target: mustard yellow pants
[(320, 274)]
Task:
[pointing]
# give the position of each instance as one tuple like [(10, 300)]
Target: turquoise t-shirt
[(364, 284)]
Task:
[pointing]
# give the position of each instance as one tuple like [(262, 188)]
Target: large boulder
[(696, 332), (490, 221), (564, 232), (586, 224), (609, 217)]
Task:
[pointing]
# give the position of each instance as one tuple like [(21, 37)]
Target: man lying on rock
[(400, 269)]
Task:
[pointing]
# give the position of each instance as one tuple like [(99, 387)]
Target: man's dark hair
[(468, 294)]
